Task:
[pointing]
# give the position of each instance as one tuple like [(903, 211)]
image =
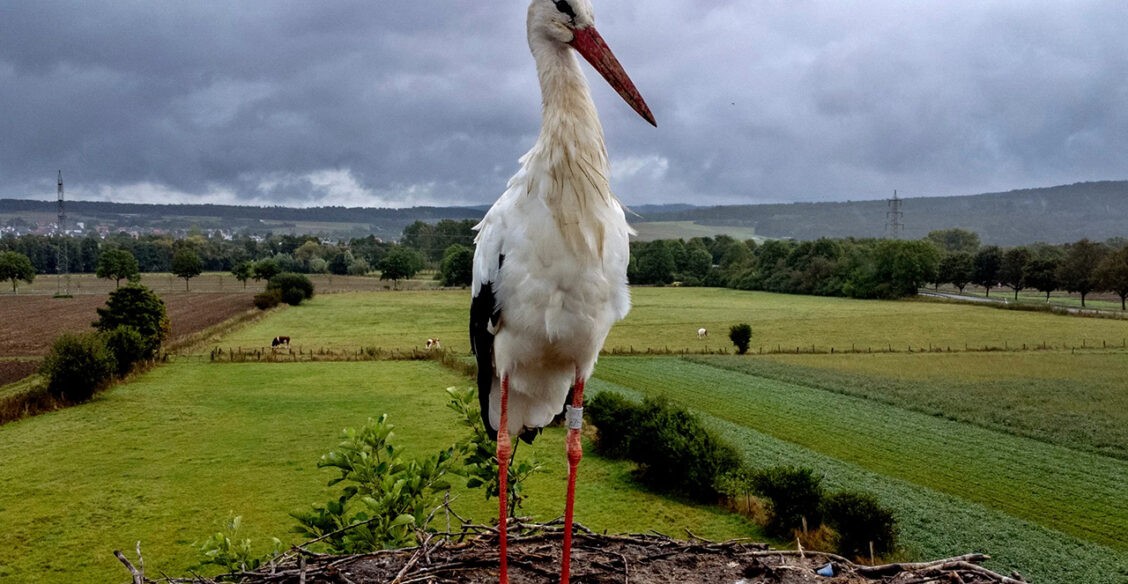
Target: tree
[(140, 308), (1041, 275), (15, 266), (243, 271), (655, 264), (400, 263), (117, 264), (955, 240), (986, 265), (1077, 270), (1112, 274), (457, 267), (187, 264), (266, 269), (741, 336), (956, 269), (1012, 271), (340, 263), (698, 261), (291, 288), (903, 267)]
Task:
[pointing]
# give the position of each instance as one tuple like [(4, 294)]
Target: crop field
[(1060, 488), (1074, 399), (1017, 453), (933, 524), (30, 323)]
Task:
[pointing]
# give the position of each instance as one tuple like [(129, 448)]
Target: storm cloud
[(380, 103)]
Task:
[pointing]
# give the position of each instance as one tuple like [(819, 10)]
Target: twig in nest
[(138, 577)]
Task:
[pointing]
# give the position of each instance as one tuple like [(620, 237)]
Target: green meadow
[(1022, 454)]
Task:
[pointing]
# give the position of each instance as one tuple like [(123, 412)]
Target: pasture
[(667, 319), (963, 444)]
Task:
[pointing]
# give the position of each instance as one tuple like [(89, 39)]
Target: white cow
[(702, 333), (434, 344)]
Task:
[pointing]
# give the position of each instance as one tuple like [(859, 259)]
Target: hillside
[(1097, 210)]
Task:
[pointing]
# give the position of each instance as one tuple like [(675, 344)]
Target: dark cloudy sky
[(399, 103)]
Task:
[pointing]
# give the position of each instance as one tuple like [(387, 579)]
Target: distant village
[(18, 227)]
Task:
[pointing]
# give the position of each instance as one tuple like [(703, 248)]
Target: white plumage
[(563, 235), (550, 264)]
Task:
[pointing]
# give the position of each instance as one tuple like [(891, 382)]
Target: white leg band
[(574, 418)]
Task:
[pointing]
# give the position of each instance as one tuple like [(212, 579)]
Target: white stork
[(550, 267)]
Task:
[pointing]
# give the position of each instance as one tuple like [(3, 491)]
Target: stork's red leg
[(503, 451), (575, 453)]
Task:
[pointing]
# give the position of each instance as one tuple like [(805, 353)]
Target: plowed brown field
[(29, 324)]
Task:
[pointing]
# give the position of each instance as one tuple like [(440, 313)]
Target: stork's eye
[(563, 6)]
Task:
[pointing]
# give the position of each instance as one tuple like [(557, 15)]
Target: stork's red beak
[(591, 45)]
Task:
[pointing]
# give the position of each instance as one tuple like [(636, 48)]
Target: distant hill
[(1097, 210)]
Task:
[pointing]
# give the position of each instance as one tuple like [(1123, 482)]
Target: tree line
[(849, 267), (122, 256), (883, 268)]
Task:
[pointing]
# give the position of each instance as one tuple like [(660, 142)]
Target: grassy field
[(998, 451), (668, 318), (167, 457)]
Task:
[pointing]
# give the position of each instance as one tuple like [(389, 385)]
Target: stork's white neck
[(570, 150), (565, 95)]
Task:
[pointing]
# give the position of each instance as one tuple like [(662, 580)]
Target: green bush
[(267, 300), (793, 494), (859, 519), (615, 419), (128, 347), (741, 336), (676, 453), (292, 288), (78, 367)]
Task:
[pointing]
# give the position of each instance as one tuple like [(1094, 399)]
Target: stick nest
[(471, 556)]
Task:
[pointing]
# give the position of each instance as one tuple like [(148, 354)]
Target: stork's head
[(572, 23)]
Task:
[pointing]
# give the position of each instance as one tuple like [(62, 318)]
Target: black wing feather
[(484, 314)]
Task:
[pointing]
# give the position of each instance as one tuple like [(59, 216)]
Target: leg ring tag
[(574, 418)]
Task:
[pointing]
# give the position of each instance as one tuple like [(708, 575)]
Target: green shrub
[(793, 494), (292, 288), (383, 497), (478, 453), (128, 347), (859, 519), (78, 366), (140, 308), (741, 336), (676, 453), (615, 419), (267, 300)]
